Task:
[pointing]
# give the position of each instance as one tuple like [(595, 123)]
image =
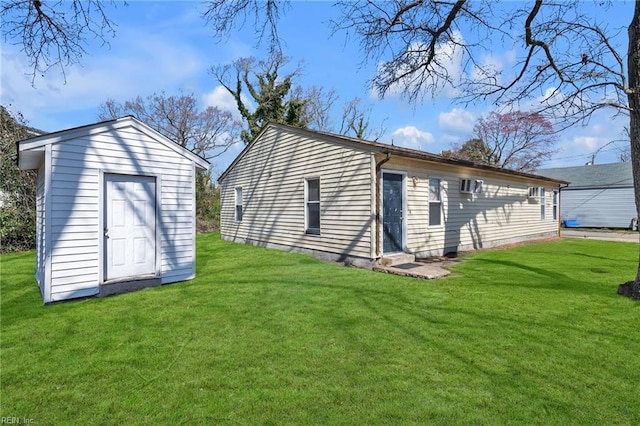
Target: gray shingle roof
[(596, 175)]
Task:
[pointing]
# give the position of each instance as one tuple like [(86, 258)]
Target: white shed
[(115, 209)]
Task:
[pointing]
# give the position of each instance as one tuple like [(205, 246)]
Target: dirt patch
[(626, 290)]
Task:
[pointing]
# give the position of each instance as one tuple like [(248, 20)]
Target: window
[(555, 205), (435, 202), (534, 192), (312, 206), (542, 203), (477, 186), (238, 204), (465, 186), (470, 186)]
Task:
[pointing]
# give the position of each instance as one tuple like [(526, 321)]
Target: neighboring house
[(598, 195), (115, 209), (352, 200)]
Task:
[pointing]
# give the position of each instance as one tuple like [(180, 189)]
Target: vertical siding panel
[(41, 245), (603, 207)]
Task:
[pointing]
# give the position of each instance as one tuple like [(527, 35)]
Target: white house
[(348, 199), (598, 196), (115, 209)]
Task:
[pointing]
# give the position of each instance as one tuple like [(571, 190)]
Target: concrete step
[(396, 259)]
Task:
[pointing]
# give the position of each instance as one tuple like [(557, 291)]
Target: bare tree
[(207, 132), (273, 96), (516, 140), (356, 120), (225, 15), (319, 103), (624, 152), (569, 70), (53, 34)]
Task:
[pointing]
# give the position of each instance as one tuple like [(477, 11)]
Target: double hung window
[(312, 208), (435, 202), (238, 204)]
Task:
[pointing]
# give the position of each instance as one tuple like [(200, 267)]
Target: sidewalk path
[(607, 236)]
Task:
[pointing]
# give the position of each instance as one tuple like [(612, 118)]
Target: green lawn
[(532, 335)]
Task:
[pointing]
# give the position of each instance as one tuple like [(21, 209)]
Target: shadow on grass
[(552, 280)]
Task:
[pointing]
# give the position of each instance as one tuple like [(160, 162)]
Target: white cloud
[(137, 64), (411, 137), (457, 121), (439, 79), (222, 99), (589, 143)]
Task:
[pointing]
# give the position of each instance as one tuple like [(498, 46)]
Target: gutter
[(379, 201)]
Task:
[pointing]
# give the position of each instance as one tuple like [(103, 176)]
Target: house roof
[(596, 175), (377, 147), (30, 150)]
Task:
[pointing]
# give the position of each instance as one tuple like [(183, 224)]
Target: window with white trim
[(542, 203), (534, 192), (435, 202), (465, 186), (312, 205), (239, 204), (478, 186), (555, 205), (471, 186)]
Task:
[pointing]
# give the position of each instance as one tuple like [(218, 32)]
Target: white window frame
[(556, 195), (465, 186), (307, 202), (239, 208), (471, 186), (543, 203), (533, 193), (434, 202), (478, 186)]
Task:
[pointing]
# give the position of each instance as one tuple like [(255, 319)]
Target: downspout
[(378, 200), (560, 188)]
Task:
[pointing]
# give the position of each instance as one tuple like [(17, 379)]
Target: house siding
[(272, 176), (501, 214), (272, 171), (599, 207), (76, 208)]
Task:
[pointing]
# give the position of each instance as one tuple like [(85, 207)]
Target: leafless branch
[(225, 15), (54, 34)]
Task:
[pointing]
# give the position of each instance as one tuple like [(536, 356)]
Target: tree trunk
[(634, 119)]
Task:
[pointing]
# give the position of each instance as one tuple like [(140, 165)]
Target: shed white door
[(130, 226)]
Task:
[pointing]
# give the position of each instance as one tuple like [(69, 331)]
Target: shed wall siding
[(76, 209), (40, 228), (502, 213), (272, 177), (604, 207)]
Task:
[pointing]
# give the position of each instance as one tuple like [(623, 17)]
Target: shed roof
[(377, 147), (595, 175), (31, 150)]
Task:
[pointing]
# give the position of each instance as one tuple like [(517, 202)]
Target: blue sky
[(165, 46)]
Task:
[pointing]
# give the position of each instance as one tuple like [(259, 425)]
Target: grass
[(531, 335)]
